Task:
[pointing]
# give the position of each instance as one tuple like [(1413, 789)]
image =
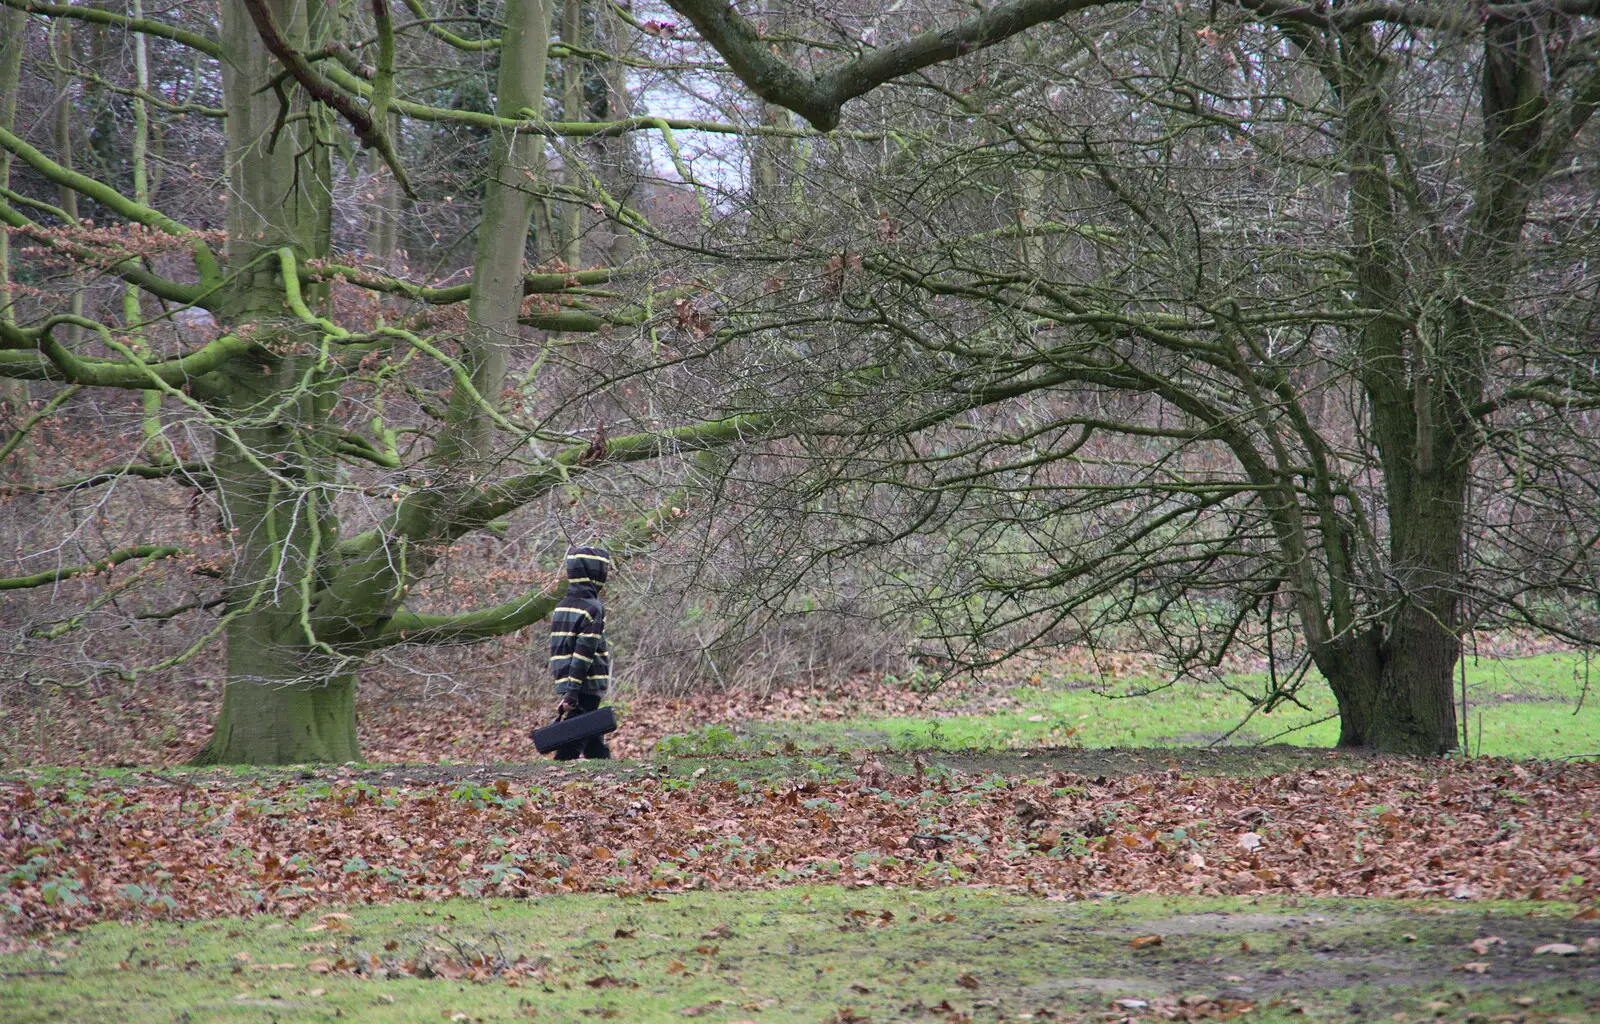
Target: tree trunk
[(467, 449), (1353, 667), (572, 109), (288, 697), (13, 42), (278, 708), (61, 50), (1415, 711), (1394, 682)]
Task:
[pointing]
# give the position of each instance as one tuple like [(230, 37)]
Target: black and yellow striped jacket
[(580, 659)]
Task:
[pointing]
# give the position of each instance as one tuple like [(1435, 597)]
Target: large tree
[(1290, 307), (346, 422)]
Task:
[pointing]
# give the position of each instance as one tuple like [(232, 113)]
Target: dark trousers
[(594, 748)]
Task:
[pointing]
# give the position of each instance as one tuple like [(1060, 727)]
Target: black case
[(578, 727)]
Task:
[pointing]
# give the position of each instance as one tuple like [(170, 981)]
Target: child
[(579, 657)]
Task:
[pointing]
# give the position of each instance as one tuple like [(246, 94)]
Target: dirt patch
[(1221, 922), (1105, 986)]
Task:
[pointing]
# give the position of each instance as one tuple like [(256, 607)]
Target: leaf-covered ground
[(77, 850), (814, 954)]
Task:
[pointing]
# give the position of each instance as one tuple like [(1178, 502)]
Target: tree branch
[(195, 474), (44, 579), (467, 627), (103, 17), (50, 359), (205, 260), (819, 98), (56, 401), (130, 269), (532, 284), (370, 133)]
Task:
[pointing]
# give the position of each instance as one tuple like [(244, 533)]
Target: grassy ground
[(813, 954), (1521, 707)]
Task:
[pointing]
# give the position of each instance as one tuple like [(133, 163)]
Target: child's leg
[(594, 748), (574, 703)]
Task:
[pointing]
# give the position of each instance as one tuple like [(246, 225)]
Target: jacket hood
[(587, 565)]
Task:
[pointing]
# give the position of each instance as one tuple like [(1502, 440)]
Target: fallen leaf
[(624, 933), (1145, 941), (1130, 1004), (966, 981), (1474, 967), (1488, 942), (721, 931), (319, 966), (604, 981), (702, 1009), (1557, 949), (1250, 841)]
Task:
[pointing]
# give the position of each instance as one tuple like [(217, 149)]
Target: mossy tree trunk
[(288, 696), (295, 642)]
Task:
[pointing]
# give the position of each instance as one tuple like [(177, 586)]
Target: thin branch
[(44, 579)]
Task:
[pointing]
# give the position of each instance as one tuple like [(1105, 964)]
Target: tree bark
[(13, 41), (277, 707), (1353, 667), (288, 696)]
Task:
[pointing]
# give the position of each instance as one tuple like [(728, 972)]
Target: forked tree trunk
[(283, 702), (1394, 682)]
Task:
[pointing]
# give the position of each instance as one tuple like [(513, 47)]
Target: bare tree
[(1275, 314)]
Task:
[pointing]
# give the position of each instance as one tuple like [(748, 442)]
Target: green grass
[(806, 954), (1526, 707)]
